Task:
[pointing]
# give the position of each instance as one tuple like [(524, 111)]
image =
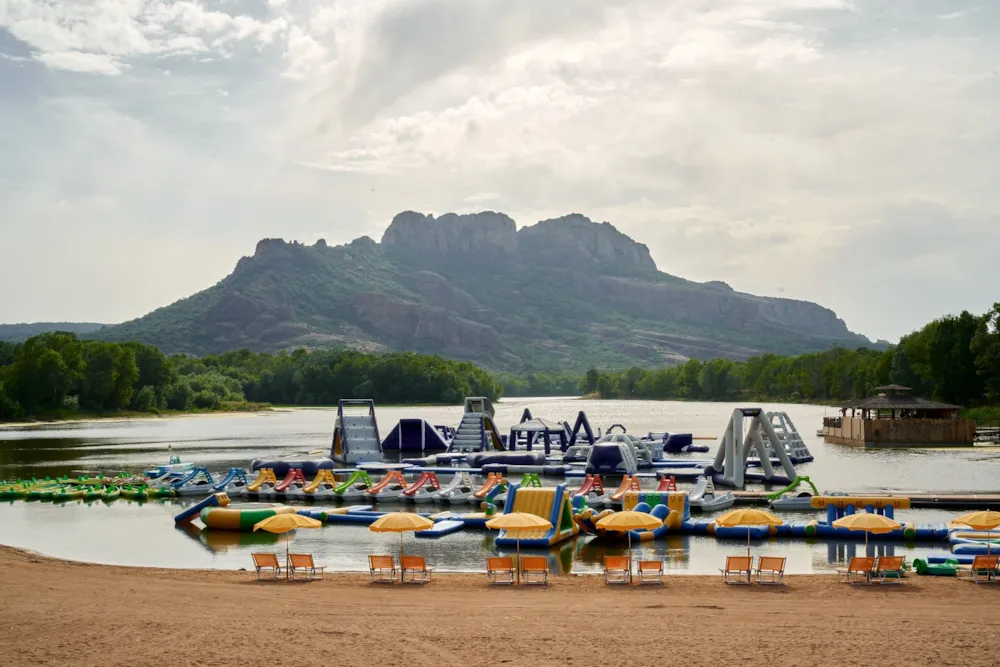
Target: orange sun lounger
[(535, 569), (859, 570), (304, 564), (650, 572), (890, 569), (500, 570), (382, 568), (416, 568), (770, 569), (267, 562), (737, 570), (617, 570), (983, 569)]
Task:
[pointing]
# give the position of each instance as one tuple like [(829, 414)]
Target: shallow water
[(144, 534)]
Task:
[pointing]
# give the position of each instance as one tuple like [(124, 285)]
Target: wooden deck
[(957, 501)]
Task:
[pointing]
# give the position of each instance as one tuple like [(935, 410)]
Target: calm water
[(134, 534)]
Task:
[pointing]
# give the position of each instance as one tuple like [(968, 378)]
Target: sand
[(56, 612)]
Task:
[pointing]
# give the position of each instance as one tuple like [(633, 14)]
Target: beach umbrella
[(877, 524), (286, 523), (985, 520), (627, 522), (748, 518), (400, 522), (517, 523)]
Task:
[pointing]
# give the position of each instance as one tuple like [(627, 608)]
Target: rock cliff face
[(451, 233), (576, 238), (562, 294)]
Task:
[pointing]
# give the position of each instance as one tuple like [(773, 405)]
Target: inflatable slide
[(552, 503)]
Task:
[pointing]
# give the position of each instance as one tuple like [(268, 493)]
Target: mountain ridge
[(562, 293)]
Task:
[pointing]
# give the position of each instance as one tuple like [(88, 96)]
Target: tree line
[(955, 359), (58, 375)]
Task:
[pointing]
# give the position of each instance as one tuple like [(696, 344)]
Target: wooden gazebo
[(894, 418)]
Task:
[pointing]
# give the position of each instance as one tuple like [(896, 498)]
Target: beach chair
[(890, 569), (616, 570), (737, 570), (770, 570), (270, 562), (535, 570), (382, 568), (650, 572), (500, 570), (983, 569), (304, 564), (859, 571), (416, 568)]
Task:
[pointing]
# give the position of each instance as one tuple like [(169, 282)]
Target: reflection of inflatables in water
[(221, 541)]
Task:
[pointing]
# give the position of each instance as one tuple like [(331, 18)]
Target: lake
[(144, 534)]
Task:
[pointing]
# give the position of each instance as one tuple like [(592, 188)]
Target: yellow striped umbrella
[(400, 522), (868, 522), (516, 523), (748, 518)]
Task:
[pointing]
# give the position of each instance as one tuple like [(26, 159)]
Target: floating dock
[(917, 500)]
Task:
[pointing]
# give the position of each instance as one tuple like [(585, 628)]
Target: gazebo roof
[(898, 403)]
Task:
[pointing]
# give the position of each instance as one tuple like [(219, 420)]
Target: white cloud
[(75, 61), (813, 147)]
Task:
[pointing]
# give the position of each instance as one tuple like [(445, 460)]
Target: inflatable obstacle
[(355, 433), (240, 517), (477, 432), (552, 503), (214, 500), (414, 435)]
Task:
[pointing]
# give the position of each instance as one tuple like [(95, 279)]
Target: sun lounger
[(303, 564), (267, 562), (859, 571), (890, 569), (651, 572), (500, 570), (535, 570), (616, 570), (737, 570), (770, 569), (382, 568), (416, 568), (983, 569)]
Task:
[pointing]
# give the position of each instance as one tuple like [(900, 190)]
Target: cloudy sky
[(840, 151)]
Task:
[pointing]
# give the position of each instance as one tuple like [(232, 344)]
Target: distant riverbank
[(67, 417)]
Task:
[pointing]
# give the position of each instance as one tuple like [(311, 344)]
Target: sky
[(837, 151)]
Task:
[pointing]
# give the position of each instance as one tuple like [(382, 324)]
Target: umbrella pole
[(518, 542), (288, 538), (628, 536), (748, 541)]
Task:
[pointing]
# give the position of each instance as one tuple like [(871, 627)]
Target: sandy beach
[(55, 612)]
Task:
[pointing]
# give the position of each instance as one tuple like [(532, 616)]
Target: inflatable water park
[(571, 475)]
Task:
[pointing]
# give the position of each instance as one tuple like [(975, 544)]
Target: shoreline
[(70, 613)]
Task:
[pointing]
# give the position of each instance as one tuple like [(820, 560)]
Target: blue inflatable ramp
[(414, 435), (441, 528), (214, 500)]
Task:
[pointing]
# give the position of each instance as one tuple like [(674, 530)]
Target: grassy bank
[(983, 413), (83, 415)]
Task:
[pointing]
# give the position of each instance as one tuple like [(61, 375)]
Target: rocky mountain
[(564, 293)]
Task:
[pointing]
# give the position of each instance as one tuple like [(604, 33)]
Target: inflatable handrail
[(613, 427)]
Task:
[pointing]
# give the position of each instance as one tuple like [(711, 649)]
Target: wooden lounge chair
[(382, 568), (737, 570), (770, 570), (983, 569), (500, 570), (616, 570), (650, 572), (859, 570), (535, 570), (304, 564), (890, 569), (416, 568), (267, 562)]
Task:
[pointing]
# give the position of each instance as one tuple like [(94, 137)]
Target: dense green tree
[(986, 347)]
